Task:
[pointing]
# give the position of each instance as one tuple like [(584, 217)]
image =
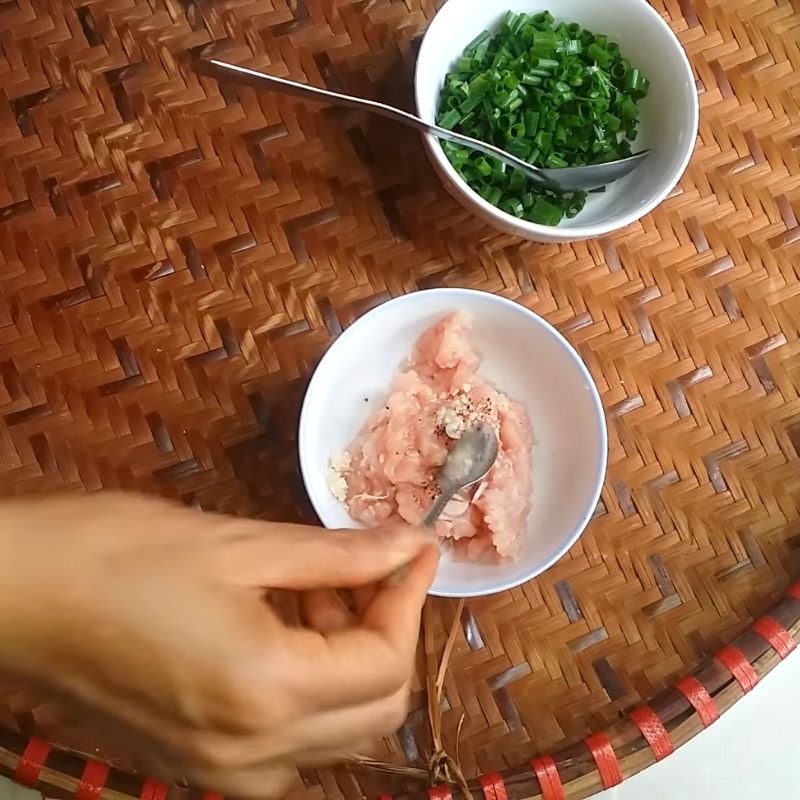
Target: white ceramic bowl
[(523, 356), (669, 114)]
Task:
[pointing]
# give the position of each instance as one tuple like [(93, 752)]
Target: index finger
[(375, 658)]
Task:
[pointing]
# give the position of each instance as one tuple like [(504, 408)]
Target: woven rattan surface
[(175, 257)]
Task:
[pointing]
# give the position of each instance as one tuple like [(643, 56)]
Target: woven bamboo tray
[(176, 255)]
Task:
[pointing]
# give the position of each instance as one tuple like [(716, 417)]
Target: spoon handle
[(224, 70), (445, 496)]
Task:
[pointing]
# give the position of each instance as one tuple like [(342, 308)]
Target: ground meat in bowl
[(389, 472)]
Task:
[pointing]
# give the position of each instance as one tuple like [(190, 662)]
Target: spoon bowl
[(467, 463)]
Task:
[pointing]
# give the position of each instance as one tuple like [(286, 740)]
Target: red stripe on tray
[(153, 790), (794, 591), (605, 759), (775, 634), (31, 762), (651, 727), (741, 669), (493, 787), (440, 793), (93, 780), (698, 696), (212, 796), (548, 777)]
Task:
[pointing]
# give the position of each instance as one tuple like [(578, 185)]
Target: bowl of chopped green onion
[(574, 83)]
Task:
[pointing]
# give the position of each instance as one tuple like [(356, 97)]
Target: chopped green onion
[(483, 166), (478, 40), (544, 140), (628, 109), (570, 47), (598, 54), (519, 148), (470, 104), (480, 52), (510, 20), (450, 119), (529, 79), (619, 71), (547, 64), (493, 195), (553, 95), (544, 41), (545, 213), (517, 181), (555, 161), (513, 206), (636, 83), (576, 206), (531, 122)]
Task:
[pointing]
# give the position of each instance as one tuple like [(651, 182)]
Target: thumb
[(299, 557)]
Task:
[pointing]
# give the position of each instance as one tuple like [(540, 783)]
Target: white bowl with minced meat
[(395, 391)]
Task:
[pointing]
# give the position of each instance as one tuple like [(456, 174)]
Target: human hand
[(150, 619)]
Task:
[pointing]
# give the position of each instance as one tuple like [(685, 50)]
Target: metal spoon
[(467, 463), (565, 179)]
